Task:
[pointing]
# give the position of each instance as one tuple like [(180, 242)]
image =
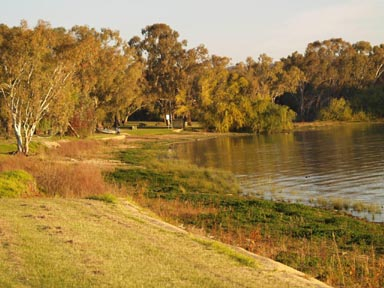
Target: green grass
[(6, 148), (84, 243), (224, 249), (166, 177), (107, 198), (9, 146), (16, 183)]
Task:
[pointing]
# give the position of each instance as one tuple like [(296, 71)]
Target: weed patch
[(7, 148), (17, 183)]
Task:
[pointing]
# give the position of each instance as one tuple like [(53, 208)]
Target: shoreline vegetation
[(329, 245), (297, 126)]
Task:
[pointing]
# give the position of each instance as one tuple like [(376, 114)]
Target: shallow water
[(337, 164)]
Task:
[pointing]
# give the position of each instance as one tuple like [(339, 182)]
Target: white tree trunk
[(19, 137)]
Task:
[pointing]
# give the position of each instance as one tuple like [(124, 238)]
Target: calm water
[(344, 162)]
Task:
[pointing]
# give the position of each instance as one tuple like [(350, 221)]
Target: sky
[(236, 29)]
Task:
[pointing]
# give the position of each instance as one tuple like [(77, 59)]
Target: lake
[(338, 166)]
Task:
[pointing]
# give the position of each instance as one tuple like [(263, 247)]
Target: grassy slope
[(85, 243)]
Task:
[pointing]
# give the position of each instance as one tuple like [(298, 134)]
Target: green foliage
[(165, 59), (371, 101), (338, 110), (222, 98), (107, 198), (7, 148), (35, 75), (332, 68), (224, 249), (268, 117), (240, 100), (17, 183)]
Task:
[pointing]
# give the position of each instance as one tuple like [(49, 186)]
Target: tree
[(268, 79), (108, 75), (34, 76), (164, 55), (131, 97), (196, 61), (377, 57), (293, 64), (224, 104)]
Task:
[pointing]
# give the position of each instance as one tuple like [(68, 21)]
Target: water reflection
[(340, 162)]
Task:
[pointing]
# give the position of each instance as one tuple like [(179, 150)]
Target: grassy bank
[(331, 246), (47, 242)]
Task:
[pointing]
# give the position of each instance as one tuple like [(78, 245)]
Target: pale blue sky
[(236, 29)]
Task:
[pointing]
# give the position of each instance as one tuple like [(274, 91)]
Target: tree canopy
[(54, 80)]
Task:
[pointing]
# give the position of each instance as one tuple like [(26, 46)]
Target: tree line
[(54, 80)]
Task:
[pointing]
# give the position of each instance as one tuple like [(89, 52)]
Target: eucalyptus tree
[(294, 63), (196, 62), (35, 76), (118, 72), (377, 57), (269, 79), (337, 69), (86, 50), (108, 77), (327, 70), (164, 58), (131, 97)]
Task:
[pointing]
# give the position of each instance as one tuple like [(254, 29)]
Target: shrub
[(362, 116), (338, 110), (269, 117)]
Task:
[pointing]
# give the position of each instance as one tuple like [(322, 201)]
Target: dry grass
[(63, 178), (108, 245), (77, 149)]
